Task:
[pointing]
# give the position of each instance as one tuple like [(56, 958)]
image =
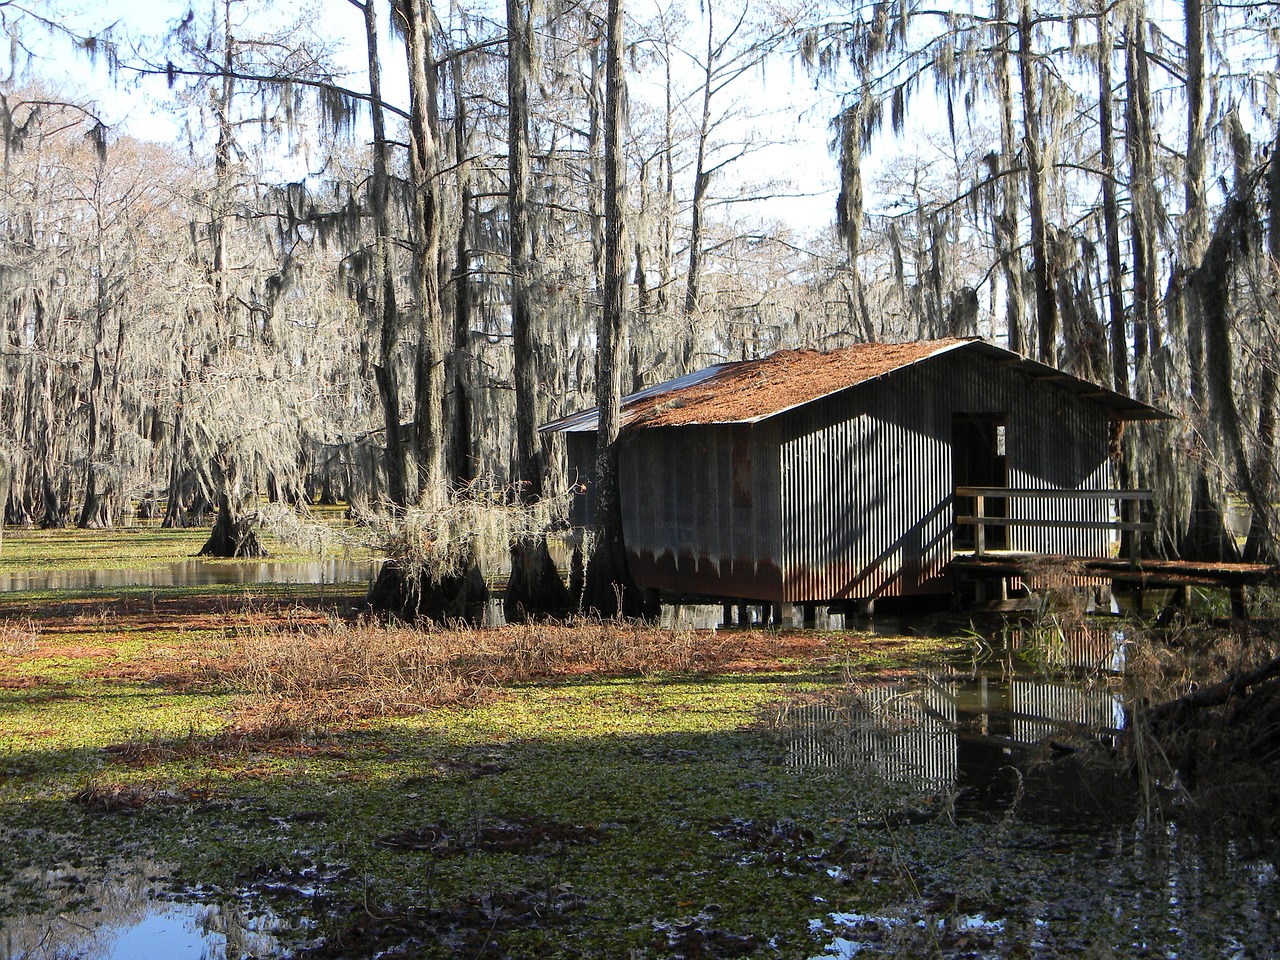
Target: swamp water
[(998, 839), (1009, 751), (131, 917), (196, 573)]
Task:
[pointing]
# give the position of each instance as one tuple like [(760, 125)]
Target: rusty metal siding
[(701, 510), (867, 478)]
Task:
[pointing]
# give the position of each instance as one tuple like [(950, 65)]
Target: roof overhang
[(645, 408)]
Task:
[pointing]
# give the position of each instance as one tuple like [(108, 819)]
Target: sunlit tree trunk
[(1033, 149), (529, 460), (424, 170), (1138, 146), (1008, 245), (1116, 325), (609, 587), (849, 214)]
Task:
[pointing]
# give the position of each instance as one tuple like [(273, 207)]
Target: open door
[(978, 460)]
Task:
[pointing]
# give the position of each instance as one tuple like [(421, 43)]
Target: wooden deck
[(1143, 573), (1126, 572)]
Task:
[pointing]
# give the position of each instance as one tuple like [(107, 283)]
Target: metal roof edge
[(1122, 406), (861, 383), (1128, 408)]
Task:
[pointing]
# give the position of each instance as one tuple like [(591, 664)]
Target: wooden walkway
[(1134, 577), (1143, 573), (1126, 572)]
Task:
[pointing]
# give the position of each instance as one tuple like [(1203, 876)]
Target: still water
[(131, 918), (197, 573)]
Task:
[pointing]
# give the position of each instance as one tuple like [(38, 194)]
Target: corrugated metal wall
[(702, 509), (867, 478), (851, 497)]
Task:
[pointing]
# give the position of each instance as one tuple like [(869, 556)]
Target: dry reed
[(369, 668)]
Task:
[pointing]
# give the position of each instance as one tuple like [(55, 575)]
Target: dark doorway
[(978, 460)]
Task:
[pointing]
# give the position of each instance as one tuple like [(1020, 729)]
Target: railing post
[(980, 529), (1129, 513)]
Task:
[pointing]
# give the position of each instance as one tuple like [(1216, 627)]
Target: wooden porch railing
[(1128, 521)]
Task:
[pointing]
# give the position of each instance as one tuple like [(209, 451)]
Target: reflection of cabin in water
[(812, 477)]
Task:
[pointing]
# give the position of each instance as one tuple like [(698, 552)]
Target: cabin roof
[(753, 390)]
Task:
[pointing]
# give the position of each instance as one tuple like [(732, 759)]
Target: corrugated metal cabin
[(813, 477)]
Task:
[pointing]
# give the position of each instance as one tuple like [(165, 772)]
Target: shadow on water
[(196, 573), (131, 919)]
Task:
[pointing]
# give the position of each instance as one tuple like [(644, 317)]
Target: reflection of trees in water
[(188, 573), (91, 919)]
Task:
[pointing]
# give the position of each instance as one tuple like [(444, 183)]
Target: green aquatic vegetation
[(596, 811), (126, 548)]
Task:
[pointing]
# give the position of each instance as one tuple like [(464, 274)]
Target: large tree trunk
[(454, 598), (427, 214), (233, 534), (1037, 173), (52, 508), (529, 459), (1008, 245), (609, 589), (96, 510), (1138, 145), (1260, 544), (382, 291), (461, 465), (1116, 323)]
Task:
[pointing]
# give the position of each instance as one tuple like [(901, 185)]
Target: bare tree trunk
[(53, 510), (1008, 245), (529, 459), (382, 292), (1116, 323), (1138, 144), (1260, 545), (849, 213), (94, 511), (462, 462), (232, 534), (1211, 284), (701, 176), (609, 588), (424, 168), (1033, 146)]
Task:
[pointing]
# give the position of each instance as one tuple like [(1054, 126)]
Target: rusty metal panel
[(700, 510)]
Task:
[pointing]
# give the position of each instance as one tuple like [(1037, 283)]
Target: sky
[(787, 114)]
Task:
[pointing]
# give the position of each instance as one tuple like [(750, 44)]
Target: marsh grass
[(19, 638), (367, 668)]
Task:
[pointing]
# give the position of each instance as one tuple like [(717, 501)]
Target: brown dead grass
[(306, 665), (365, 668), (369, 669)]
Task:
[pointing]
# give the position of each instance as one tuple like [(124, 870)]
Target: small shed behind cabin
[(810, 477)]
